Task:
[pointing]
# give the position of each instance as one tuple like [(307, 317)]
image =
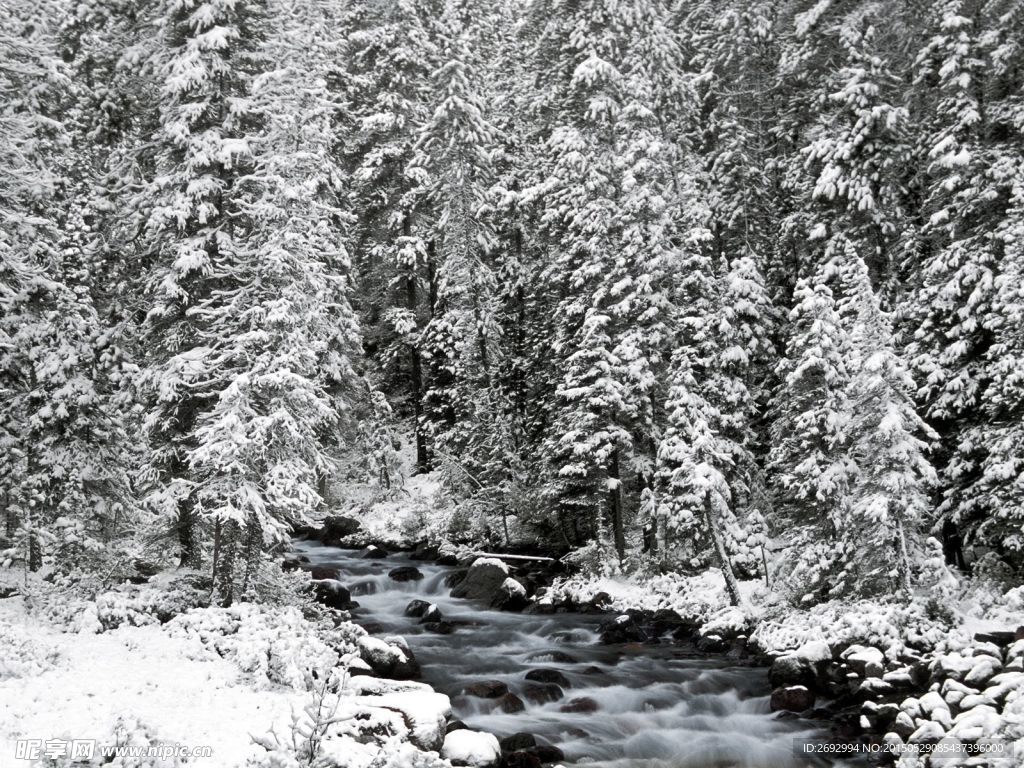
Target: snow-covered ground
[(82, 685)]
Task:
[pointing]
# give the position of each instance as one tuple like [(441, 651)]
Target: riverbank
[(918, 650)]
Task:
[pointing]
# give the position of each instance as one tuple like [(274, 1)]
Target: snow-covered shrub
[(893, 627), (23, 655), (129, 731), (274, 644), (145, 604)]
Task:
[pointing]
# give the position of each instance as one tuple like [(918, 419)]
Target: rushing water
[(658, 706)]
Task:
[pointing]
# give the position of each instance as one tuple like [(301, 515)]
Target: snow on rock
[(511, 595), (471, 748), (483, 580), (424, 710), (983, 670), (388, 657), (954, 665), (814, 651), (928, 732), (869, 661)]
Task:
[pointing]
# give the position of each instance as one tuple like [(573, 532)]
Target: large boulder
[(324, 572), (335, 528), (474, 749), (581, 704), (389, 657), (424, 711), (542, 693), (509, 703), (372, 552), (486, 689), (792, 698), (332, 593), (483, 580), (405, 573), (791, 670), (621, 630), (511, 596), (416, 608), (545, 675), (517, 741)]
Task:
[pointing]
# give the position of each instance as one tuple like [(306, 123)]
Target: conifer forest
[(711, 308)]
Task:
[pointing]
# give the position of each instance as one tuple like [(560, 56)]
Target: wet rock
[(795, 698), (517, 742), (581, 704), (290, 564), (432, 615), (373, 627), (302, 559), (509, 703), (332, 593), (372, 552), (712, 644), (439, 627), (456, 725), (449, 560), (510, 596), (577, 733), (486, 689), (621, 630), (600, 602), (405, 573), (521, 759), (555, 656), (545, 675), (389, 657), (416, 608), (324, 572), (547, 753), (425, 552), (456, 577), (542, 693), (335, 528), (483, 580), (791, 670)]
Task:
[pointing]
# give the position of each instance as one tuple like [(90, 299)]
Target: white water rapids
[(658, 706)]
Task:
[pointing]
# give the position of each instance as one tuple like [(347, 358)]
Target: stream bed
[(658, 706)]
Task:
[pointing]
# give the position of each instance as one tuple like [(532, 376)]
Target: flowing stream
[(657, 706)]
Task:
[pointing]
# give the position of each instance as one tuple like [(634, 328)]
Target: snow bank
[(471, 748)]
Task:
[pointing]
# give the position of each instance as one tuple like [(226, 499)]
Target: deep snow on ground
[(140, 672)]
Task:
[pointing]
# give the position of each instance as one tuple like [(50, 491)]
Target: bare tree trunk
[(723, 559), (615, 504), (416, 364), (225, 576)]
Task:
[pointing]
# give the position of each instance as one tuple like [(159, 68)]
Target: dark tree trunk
[(224, 578), (416, 365), (615, 505)]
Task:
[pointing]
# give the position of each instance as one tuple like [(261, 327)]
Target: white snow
[(471, 748)]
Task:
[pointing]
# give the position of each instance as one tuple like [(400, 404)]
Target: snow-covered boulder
[(471, 748), (332, 593), (984, 669), (869, 662), (793, 698), (511, 596), (791, 669), (424, 711), (483, 580), (390, 657), (929, 732)]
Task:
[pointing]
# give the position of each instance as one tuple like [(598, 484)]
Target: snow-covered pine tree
[(63, 457), (250, 336), (696, 500), (889, 499), (611, 196), (970, 88), (391, 55), (808, 463)]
